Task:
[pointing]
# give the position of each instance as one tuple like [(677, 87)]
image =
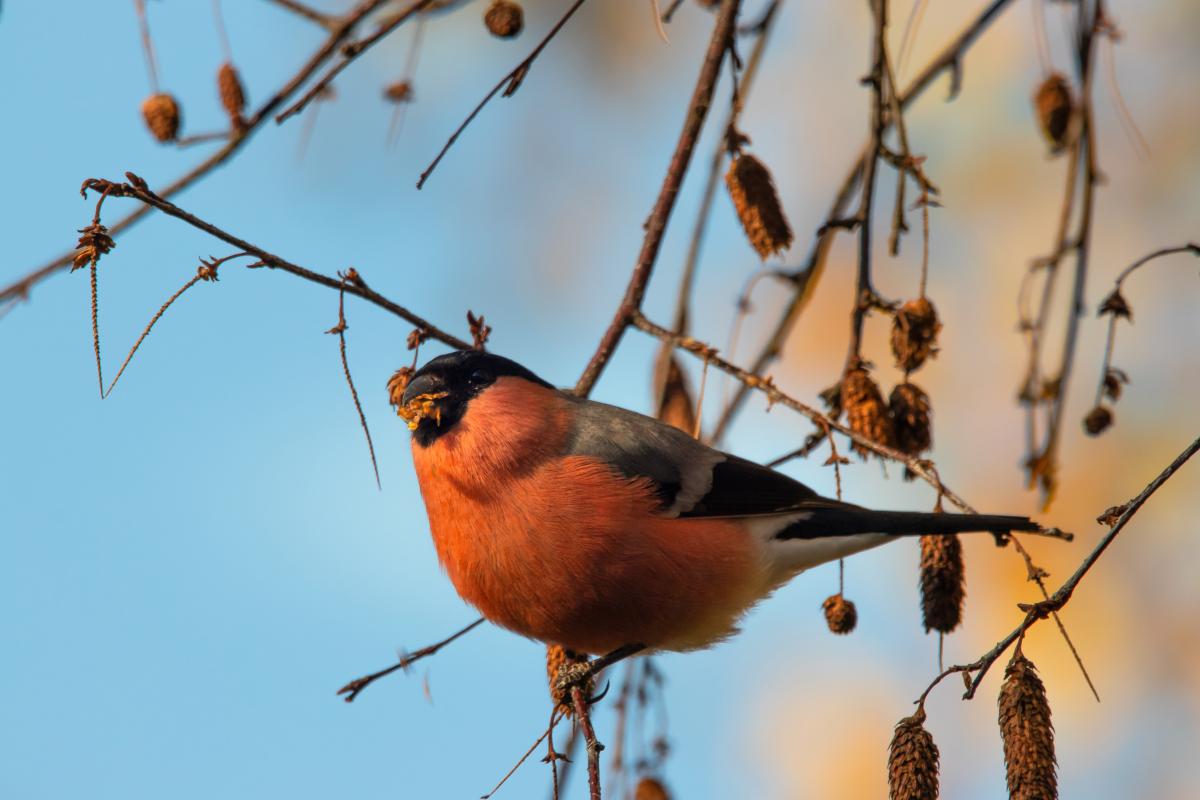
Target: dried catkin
[(912, 761), (943, 582), (161, 113), (1054, 106), (912, 418), (840, 614), (757, 205), (504, 19), (1027, 732), (233, 96), (675, 405), (866, 412), (915, 330), (398, 92), (650, 789)]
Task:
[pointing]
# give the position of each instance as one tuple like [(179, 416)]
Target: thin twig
[(206, 271), (510, 83), (350, 52), (147, 44), (138, 190), (340, 329), (354, 687), (554, 718), (312, 15), (583, 719), (656, 225)]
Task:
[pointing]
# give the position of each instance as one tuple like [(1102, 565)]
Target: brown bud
[(504, 19), (1117, 305), (94, 242), (911, 418), (1097, 421), (757, 205), (480, 330), (840, 614), (915, 329), (650, 789), (1027, 732), (865, 410), (943, 582), (398, 92), (912, 761), (233, 96), (675, 405), (1054, 108), (556, 659), (161, 113)]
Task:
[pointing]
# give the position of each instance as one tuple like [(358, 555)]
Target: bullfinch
[(599, 529)]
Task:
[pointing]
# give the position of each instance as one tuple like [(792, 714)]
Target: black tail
[(824, 522)]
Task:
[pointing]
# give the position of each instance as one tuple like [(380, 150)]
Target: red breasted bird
[(596, 528)]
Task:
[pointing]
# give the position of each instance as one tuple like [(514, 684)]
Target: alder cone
[(1054, 106), (915, 330), (840, 614), (1027, 733), (866, 412), (912, 761), (233, 96), (912, 421), (161, 113), (557, 658), (943, 582), (1098, 420), (757, 204), (651, 789), (504, 19)]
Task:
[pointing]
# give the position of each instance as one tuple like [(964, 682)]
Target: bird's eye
[(481, 376)]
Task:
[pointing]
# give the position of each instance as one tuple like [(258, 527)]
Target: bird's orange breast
[(565, 549)]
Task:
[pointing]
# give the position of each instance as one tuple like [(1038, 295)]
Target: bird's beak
[(428, 383)]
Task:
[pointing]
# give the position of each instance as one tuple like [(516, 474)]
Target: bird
[(601, 530)]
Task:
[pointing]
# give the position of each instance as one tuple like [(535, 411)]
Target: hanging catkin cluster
[(1027, 732), (912, 418), (912, 761), (915, 329)]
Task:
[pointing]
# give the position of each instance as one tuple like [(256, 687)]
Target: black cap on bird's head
[(437, 395)]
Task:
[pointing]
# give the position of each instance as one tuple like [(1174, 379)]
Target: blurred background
[(191, 568)]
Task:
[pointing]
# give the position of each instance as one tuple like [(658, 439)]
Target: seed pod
[(650, 789), (1054, 109), (504, 19), (912, 761), (915, 329), (911, 418), (757, 205), (397, 384), (398, 92), (943, 582), (161, 113), (675, 405), (1097, 421), (233, 97), (557, 658), (840, 614), (1027, 732), (865, 410)]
